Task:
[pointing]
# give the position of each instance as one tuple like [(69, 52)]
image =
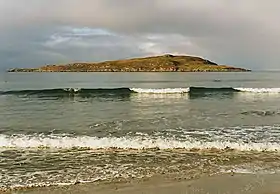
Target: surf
[(92, 92), (125, 143), (161, 90)]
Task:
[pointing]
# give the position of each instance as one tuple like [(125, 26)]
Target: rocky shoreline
[(165, 63)]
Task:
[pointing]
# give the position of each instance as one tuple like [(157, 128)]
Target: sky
[(242, 33)]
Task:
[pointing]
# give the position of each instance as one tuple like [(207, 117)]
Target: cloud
[(240, 33)]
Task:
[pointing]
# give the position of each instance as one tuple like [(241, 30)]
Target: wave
[(161, 91), (212, 90), (70, 92), (67, 91), (233, 90), (259, 90), (197, 90), (127, 91), (68, 142)]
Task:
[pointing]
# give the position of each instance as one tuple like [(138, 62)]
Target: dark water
[(58, 128)]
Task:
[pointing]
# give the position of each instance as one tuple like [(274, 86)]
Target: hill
[(165, 63)]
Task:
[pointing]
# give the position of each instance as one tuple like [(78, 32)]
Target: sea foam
[(161, 90), (259, 90), (67, 142)]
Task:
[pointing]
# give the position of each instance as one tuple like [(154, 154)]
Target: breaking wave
[(128, 91), (161, 91), (68, 142), (259, 90)]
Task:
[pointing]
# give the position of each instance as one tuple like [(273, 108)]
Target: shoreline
[(229, 183)]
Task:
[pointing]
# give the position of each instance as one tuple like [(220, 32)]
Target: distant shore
[(164, 63)]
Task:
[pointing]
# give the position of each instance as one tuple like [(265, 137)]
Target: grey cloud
[(241, 33)]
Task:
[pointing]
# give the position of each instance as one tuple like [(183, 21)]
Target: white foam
[(238, 171), (47, 184), (36, 185), (161, 90), (248, 169), (72, 89), (259, 90), (67, 142)]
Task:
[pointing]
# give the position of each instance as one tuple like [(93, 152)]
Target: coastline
[(222, 183)]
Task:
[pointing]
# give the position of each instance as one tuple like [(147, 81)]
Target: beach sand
[(217, 184)]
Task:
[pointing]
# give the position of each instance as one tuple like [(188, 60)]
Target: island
[(164, 63)]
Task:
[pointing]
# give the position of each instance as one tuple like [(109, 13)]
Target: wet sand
[(217, 184)]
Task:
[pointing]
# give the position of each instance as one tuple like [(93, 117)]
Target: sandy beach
[(217, 184)]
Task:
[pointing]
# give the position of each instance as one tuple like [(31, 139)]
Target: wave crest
[(68, 142), (259, 90), (161, 91), (87, 92)]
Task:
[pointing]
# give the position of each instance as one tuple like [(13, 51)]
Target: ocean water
[(63, 128)]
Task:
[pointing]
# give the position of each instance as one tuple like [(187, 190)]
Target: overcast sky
[(243, 33)]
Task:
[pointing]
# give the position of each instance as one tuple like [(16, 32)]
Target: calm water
[(112, 126)]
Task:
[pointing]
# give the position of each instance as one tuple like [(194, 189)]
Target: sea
[(68, 128)]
